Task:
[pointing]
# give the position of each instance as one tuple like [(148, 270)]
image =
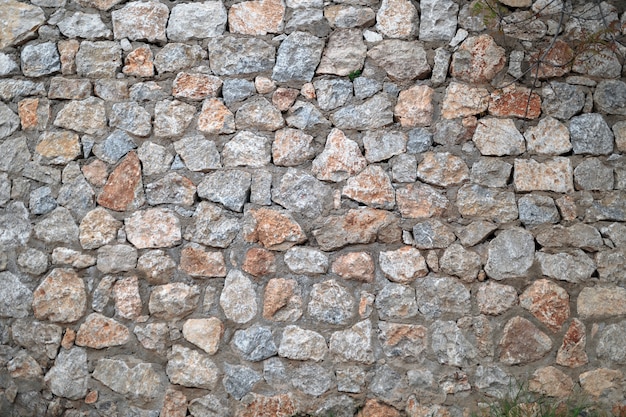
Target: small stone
[(438, 20), (537, 209), (522, 342), (67, 88), (404, 168), (99, 59), (116, 258), (174, 404), (402, 60), (432, 233), (229, 55), (69, 377), (312, 379), (210, 226), (478, 60), (124, 188), (196, 21), (76, 259), (34, 114), (171, 118), (60, 297), (332, 93), (366, 87), (282, 300), (498, 137), (237, 89), (155, 159), (131, 117), (114, 147), (403, 265), (174, 57), (7, 65), (372, 187), (190, 368), (552, 175), (41, 200), (86, 116), (403, 340), (152, 336), (197, 262), (33, 261), (414, 107), (58, 226), (548, 302), (551, 382), (592, 174), (215, 118), (98, 228), (302, 260), (397, 19), (515, 101), (99, 332), (292, 147), (549, 137), (610, 97), (10, 89), (511, 254), (610, 342), (495, 299), (344, 53), (460, 262), (208, 406), (348, 16), (572, 352), (300, 344), (204, 333), (340, 159), (420, 201), (282, 405), (441, 65), (127, 300), (331, 303), (396, 301), (247, 149), (156, 266), (578, 235), (239, 380), (67, 50), (259, 114), (598, 302), (358, 266), (141, 21), (174, 300), (195, 86), (139, 62), (600, 381), (463, 100), (590, 134), (259, 262), (111, 90), (283, 98)]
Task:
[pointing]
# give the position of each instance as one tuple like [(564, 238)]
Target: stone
[(515, 101), (403, 168), (173, 300), (113, 90), (548, 302), (401, 60), (382, 145), (610, 96), (274, 229), (10, 89), (403, 265), (332, 92), (198, 263), (491, 172), (348, 16), (437, 296), (230, 188), (438, 20), (215, 118), (238, 298), (15, 297), (127, 299), (58, 148), (98, 59), (372, 187), (308, 20), (340, 159), (522, 342), (84, 25), (450, 345), (432, 233), (590, 134), (375, 408), (114, 147), (99, 332), (258, 17), (258, 114), (60, 297), (331, 303), (33, 261), (134, 379), (599, 61), (41, 339), (578, 235), (7, 65), (535, 209), (495, 299), (600, 381), (572, 352), (403, 340), (301, 344), (611, 207), (152, 336), (442, 169), (229, 55), (396, 301), (462, 100), (130, 117), (344, 53), (69, 376), (156, 266), (397, 19), (76, 259), (366, 87), (204, 333), (609, 343), (139, 62), (498, 137), (555, 62), (41, 200), (420, 200), (116, 258), (353, 344), (237, 89), (171, 189), (292, 147), (358, 266), (414, 107), (196, 21), (141, 21), (174, 404), (174, 57), (21, 22), (601, 301), (551, 382), (239, 380), (460, 262), (86, 116), (189, 368), (208, 406), (561, 100), (441, 66), (171, 118), (312, 379), (283, 98), (478, 60), (592, 174), (14, 154), (247, 149), (210, 226), (195, 86), (610, 265), (255, 343), (124, 188), (155, 159), (198, 153), (302, 260), (58, 226), (302, 194), (304, 115), (282, 405), (66, 88), (549, 137), (553, 175), (511, 254), (282, 300), (259, 262), (34, 114), (98, 228)]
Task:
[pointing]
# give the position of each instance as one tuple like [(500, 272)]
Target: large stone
[(372, 187), (10, 121), (58, 148), (174, 57), (331, 303), (572, 352), (141, 21), (196, 21), (511, 254), (204, 333), (403, 340), (114, 147), (601, 301), (592, 174), (382, 145), (254, 343), (99, 59), (124, 188), (153, 228), (522, 342), (60, 297), (548, 302), (344, 53), (40, 59), (247, 149), (415, 107), (610, 97), (515, 101), (396, 301), (230, 188), (478, 60), (438, 20), (340, 159), (353, 344), (437, 296), (460, 262), (301, 344), (58, 226), (10, 88), (258, 114), (610, 343), (450, 345), (562, 100), (69, 377), (549, 137), (463, 100), (98, 228), (20, 21), (601, 381), (257, 17), (551, 382), (403, 265), (171, 301), (238, 298), (301, 260), (190, 368), (374, 113), (131, 117), (172, 117), (195, 86), (535, 209), (574, 266), (442, 169), (498, 137), (397, 19), (15, 297), (84, 25), (402, 60), (590, 134), (282, 300), (420, 200), (116, 258), (99, 332), (86, 116), (358, 266), (579, 235), (302, 194), (553, 175), (171, 189), (292, 147), (198, 153), (229, 55), (210, 226), (495, 299), (132, 378)]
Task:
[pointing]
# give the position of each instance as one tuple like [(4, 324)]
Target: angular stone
[(255, 343), (303, 194), (99, 332), (396, 301), (611, 207), (75, 259), (34, 114), (141, 21), (420, 201), (403, 265), (590, 134), (258, 114), (238, 298), (33, 261), (551, 382), (274, 229), (511, 254), (136, 380), (495, 299), (155, 159), (611, 341), (239, 380), (196, 21), (15, 297), (229, 55), (601, 301), (171, 301), (247, 149), (139, 62), (215, 118), (340, 159), (579, 235), (283, 98), (171, 189), (353, 344), (14, 154), (99, 59), (174, 404), (302, 260), (312, 379), (197, 262), (438, 20), (372, 187), (537, 209), (195, 86), (198, 153), (124, 188), (98, 228), (156, 266), (131, 117), (292, 147), (463, 100), (86, 116), (555, 62), (611, 265), (332, 92), (171, 118), (553, 175), (7, 65), (58, 226), (230, 188), (67, 88), (414, 107), (358, 266), (549, 137), (153, 336), (60, 297), (498, 137), (450, 345), (548, 302), (84, 25), (208, 406), (515, 101), (210, 226), (20, 22), (204, 333), (344, 53), (10, 89), (460, 262), (478, 60), (382, 145), (115, 90), (116, 258), (442, 169), (522, 342), (282, 300), (573, 267), (403, 340), (114, 147), (610, 97), (431, 234), (69, 377), (371, 114), (190, 368), (601, 381), (301, 344), (592, 174), (331, 303), (402, 60), (40, 59), (174, 57), (304, 115), (491, 172), (572, 352), (259, 262), (404, 168), (562, 100), (397, 19), (58, 147), (258, 17), (282, 405)]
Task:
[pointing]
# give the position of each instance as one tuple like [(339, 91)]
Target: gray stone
[(260, 188), (535, 209), (87, 116), (372, 114), (437, 296), (438, 20), (78, 195), (69, 377), (259, 114), (103, 293), (511, 254), (402, 60), (574, 267), (116, 258), (111, 90), (40, 59), (198, 153), (579, 235), (9, 121), (155, 159), (15, 297), (431, 234), (491, 172), (210, 226), (41, 339), (344, 53), (304, 115), (617, 233), (312, 379), (45, 174), (303, 194), (15, 227), (196, 21), (141, 21), (389, 384), (562, 100), (308, 20), (130, 117), (229, 55), (493, 381), (254, 343), (590, 134), (353, 345), (274, 373), (5, 189), (441, 66), (490, 204), (396, 301), (21, 20), (348, 16), (68, 88), (592, 174), (611, 207), (610, 97), (209, 406), (460, 262), (331, 303), (59, 226), (300, 344), (404, 168), (611, 341), (247, 149), (238, 298), (383, 145), (239, 380), (84, 25), (153, 336), (9, 89), (100, 59), (177, 56), (420, 140), (366, 87), (298, 56), (171, 189), (148, 91), (174, 300), (332, 93), (33, 261), (230, 188), (237, 89), (450, 345), (134, 379), (599, 61), (172, 117), (350, 379), (338, 406), (114, 147), (495, 299), (301, 260)]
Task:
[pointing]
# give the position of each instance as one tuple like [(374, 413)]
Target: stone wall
[(266, 208)]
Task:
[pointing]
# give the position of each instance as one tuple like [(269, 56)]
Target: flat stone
[(68, 88), (171, 189), (195, 86), (382, 145), (304, 115), (141, 21), (247, 149), (174, 57), (611, 207), (609, 343), (432, 233), (592, 174), (171, 118), (58, 148), (196, 21), (98, 59), (139, 62), (331, 303), (403, 265), (10, 89), (495, 299), (420, 201), (600, 381), (282, 300), (308, 20), (397, 19), (344, 53), (553, 175), (535, 209), (131, 117), (60, 297), (450, 345), (113, 90), (84, 25), (601, 301), (572, 352), (132, 378), (462, 100), (198, 153), (442, 169), (579, 235), (204, 333), (414, 107), (211, 226), (549, 137), (238, 298), (69, 377), (301, 260), (358, 266), (116, 258), (86, 116), (491, 172), (99, 332), (374, 113), (396, 301), (21, 22), (348, 16), (353, 344), (478, 60), (230, 188), (610, 96), (402, 60), (551, 382), (15, 297), (372, 187), (590, 134), (460, 262), (515, 101), (190, 368), (75, 259), (258, 17), (292, 147), (58, 226), (175, 300), (282, 405), (229, 55), (522, 342), (562, 100), (548, 302), (498, 137), (259, 262), (124, 188), (301, 344), (197, 262), (98, 228), (511, 254), (438, 20), (340, 159)]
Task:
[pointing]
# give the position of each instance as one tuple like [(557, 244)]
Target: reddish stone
[(371, 186), (279, 292), (91, 397), (67, 51), (358, 266), (34, 113), (418, 201), (281, 405), (415, 106), (374, 408), (522, 342), (197, 262), (139, 62), (174, 404), (548, 302), (256, 17), (215, 118), (551, 382), (127, 300), (124, 188), (572, 351), (555, 63), (478, 60), (196, 86), (274, 230), (340, 159), (99, 332), (259, 262), (68, 338), (515, 101), (60, 297), (153, 228), (283, 98), (96, 172)]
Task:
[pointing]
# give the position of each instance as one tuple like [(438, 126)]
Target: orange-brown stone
[(555, 62), (139, 62), (274, 230), (67, 51), (463, 100), (522, 342), (174, 404), (127, 299), (417, 201), (375, 408), (196, 86), (68, 338), (60, 297), (215, 118), (515, 101), (278, 293), (281, 405), (59, 147), (256, 17), (283, 98), (99, 332), (358, 266), (548, 302), (259, 262), (371, 186), (197, 262), (551, 382), (34, 113), (91, 397), (96, 172), (415, 106), (600, 381), (478, 60), (572, 352), (124, 188)]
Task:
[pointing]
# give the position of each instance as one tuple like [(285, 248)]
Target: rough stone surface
[(548, 302), (189, 368), (60, 297), (204, 333), (511, 254), (590, 134), (173, 300), (553, 175), (69, 376), (99, 332), (478, 60), (522, 342), (438, 20), (198, 21), (498, 137), (406, 62), (238, 299)]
